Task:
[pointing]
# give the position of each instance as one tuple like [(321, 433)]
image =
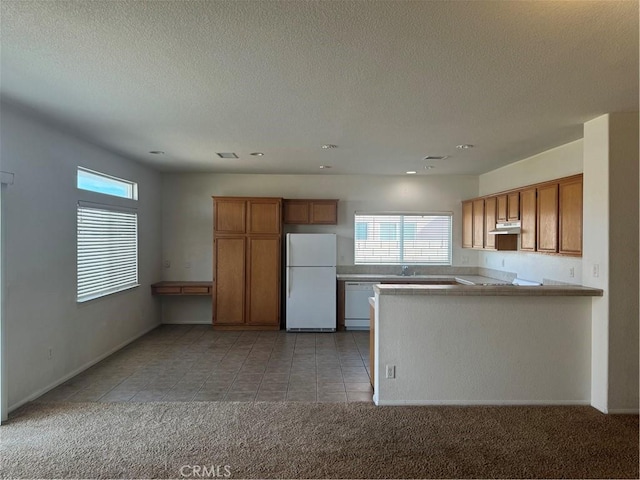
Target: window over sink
[(402, 238)]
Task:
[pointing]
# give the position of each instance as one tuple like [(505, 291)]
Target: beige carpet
[(296, 440)]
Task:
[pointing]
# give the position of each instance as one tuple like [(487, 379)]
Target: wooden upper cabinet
[(264, 216), (570, 216), (501, 214), (467, 224), (528, 219), (548, 218), (296, 212), (312, 211), (242, 215), (229, 215), (490, 206), (324, 212), (513, 207), (478, 223)]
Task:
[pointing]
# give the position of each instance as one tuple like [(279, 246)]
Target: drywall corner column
[(595, 250), (623, 257), (610, 249)]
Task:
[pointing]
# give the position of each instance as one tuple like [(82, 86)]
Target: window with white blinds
[(107, 251), (387, 238)]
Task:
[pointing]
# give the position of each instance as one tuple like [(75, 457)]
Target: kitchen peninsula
[(476, 344)]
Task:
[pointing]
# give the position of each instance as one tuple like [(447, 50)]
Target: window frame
[(131, 186), (400, 231)]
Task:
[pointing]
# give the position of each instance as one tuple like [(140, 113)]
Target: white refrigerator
[(311, 282)]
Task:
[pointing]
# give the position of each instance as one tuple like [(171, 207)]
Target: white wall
[(483, 350), (39, 215), (188, 215), (610, 241), (559, 162)]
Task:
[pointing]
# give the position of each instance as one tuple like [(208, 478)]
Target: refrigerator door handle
[(288, 267)]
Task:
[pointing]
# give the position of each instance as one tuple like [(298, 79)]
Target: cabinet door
[(296, 212), (548, 218), (229, 280), (501, 215), (263, 281), (513, 207), (467, 224), (229, 215), (324, 212), (528, 219), (478, 223), (264, 216), (570, 216), (490, 205)]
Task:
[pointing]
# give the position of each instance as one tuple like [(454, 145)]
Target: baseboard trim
[(471, 403), (197, 322), (624, 411), (78, 370)]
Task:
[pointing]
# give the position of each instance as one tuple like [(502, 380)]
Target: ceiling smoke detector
[(327, 146), (325, 166), (227, 155), (464, 146), (429, 167)]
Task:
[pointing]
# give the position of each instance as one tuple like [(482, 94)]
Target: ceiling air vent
[(227, 155), (436, 157)]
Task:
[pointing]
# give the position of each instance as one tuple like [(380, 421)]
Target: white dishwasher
[(356, 304)]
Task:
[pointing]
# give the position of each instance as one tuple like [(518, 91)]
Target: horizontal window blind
[(107, 251), (403, 239)]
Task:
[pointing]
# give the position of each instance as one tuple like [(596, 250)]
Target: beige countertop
[(488, 290), (387, 278)]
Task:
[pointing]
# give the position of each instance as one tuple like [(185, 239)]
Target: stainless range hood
[(506, 228)]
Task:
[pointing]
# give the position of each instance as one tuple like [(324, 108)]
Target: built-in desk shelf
[(181, 288)]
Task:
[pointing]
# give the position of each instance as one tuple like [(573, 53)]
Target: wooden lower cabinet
[(229, 281), (263, 282)]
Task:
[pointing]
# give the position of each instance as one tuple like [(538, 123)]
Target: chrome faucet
[(405, 270)]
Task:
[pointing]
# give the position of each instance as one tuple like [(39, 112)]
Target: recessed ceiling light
[(227, 155), (325, 166), (156, 152), (411, 172), (429, 167), (436, 157), (464, 146), (257, 154), (329, 145)]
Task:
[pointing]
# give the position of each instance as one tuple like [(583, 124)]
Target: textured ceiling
[(387, 81)]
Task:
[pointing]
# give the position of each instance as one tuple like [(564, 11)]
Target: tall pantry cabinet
[(247, 239)]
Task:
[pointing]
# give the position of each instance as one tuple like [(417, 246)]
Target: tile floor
[(194, 363)]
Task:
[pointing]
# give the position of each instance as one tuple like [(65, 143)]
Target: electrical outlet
[(465, 260), (572, 272), (391, 371), (596, 270), (166, 264)]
